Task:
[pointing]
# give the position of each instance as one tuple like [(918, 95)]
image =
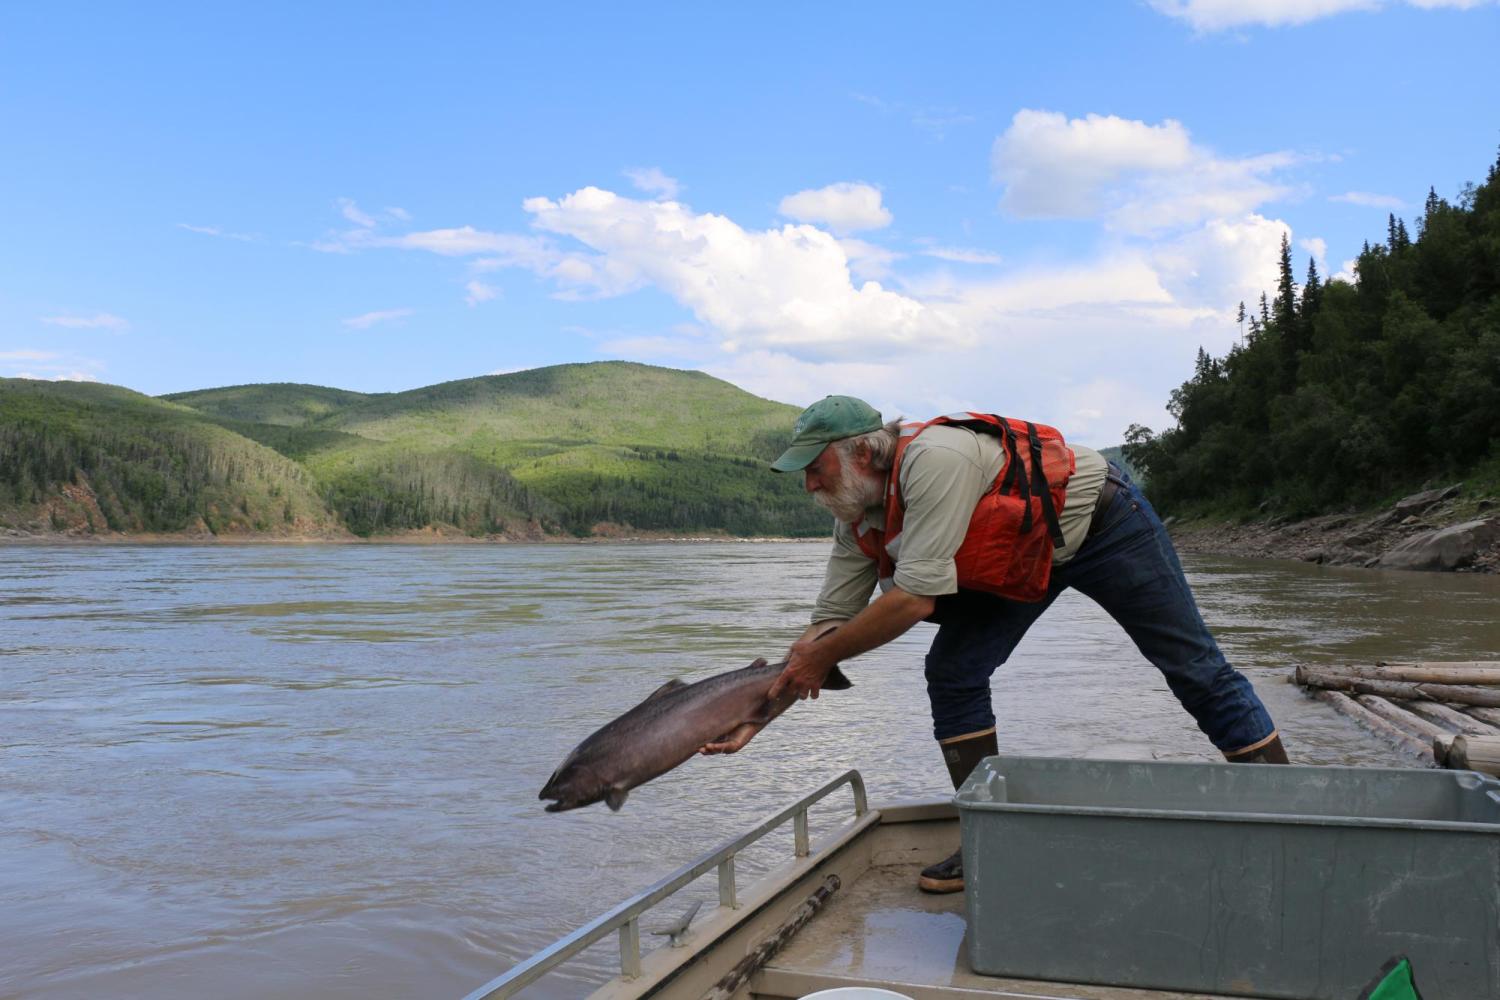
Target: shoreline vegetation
[(418, 538), (1440, 529), (1342, 395)]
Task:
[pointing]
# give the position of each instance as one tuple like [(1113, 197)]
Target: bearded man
[(978, 522)]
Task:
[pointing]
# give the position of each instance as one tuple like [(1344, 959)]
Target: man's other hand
[(733, 741)]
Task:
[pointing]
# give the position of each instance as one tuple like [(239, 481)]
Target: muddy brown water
[(312, 771)]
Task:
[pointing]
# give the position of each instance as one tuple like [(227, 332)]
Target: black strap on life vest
[(1039, 486), (1015, 475)]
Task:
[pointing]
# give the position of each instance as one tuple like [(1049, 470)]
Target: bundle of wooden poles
[(1446, 711)]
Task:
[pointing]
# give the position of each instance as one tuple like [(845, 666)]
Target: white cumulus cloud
[(1138, 177), (351, 211), (788, 288), (1317, 247), (963, 255), (68, 376), (652, 181), (1368, 200), (366, 320), (98, 321), (48, 366), (216, 231), (1349, 272), (870, 261), (477, 291), (1218, 15), (1222, 263), (845, 207), (465, 241)]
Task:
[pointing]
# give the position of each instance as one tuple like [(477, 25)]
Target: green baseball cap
[(830, 419)]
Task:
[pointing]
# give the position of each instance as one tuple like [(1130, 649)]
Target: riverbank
[(425, 536), (1438, 529)]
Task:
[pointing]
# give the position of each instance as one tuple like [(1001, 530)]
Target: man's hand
[(734, 741), (811, 658), (807, 667)]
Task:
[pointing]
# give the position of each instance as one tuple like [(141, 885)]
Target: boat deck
[(881, 931), (876, 930)]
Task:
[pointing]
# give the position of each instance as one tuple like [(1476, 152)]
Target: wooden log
[(1476, 753), (1346, 705), (1427, 673), (1438, 663), (1490, 715), (1405, 690), (1401, 718), (1450, 719), (1442, 749), (738, 976)]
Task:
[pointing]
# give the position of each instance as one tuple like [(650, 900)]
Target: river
[(282, 771)]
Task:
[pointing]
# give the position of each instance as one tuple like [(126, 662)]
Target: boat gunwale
[(624, 917)]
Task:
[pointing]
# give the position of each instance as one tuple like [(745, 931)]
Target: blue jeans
[(1129, 568)]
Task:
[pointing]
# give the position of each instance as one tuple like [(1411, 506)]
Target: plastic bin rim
[(1424, 773), (1473, 778), (1198, 816)]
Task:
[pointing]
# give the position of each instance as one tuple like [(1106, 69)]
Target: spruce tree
[(1312, 293), (1286, 287), (1431, 207)]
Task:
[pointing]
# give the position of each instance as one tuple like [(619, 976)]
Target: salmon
[(665, 730)]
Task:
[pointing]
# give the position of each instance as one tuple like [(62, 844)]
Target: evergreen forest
[(1343, 394)]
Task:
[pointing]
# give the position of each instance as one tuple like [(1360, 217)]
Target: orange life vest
[(1007, 549)]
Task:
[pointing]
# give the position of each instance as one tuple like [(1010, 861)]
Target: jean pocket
[(1117, 518)]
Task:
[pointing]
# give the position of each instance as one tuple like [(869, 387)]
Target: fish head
[(574, 785)]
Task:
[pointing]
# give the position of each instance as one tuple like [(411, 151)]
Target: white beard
[(852, 496)]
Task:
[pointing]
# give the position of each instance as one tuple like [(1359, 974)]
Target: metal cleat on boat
[(674, 931)]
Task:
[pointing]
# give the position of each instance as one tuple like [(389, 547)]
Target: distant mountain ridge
[(599, 448), (283, 403)]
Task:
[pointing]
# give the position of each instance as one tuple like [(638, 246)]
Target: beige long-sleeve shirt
[(943, 474)]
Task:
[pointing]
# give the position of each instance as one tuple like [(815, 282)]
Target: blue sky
[(1036, 209)]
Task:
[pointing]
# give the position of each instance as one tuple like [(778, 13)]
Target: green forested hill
[(1347, 393), (89, 458), (286, 404), (570, 446), (554, 450), (574, 445)]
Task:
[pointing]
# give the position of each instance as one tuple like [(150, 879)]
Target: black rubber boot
[(961, 755), (1269, 752)]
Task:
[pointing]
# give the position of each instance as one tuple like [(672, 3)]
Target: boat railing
[(625, 918)]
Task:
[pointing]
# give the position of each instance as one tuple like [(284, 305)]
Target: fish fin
[(667, 688), (615, 797), (836, 681)]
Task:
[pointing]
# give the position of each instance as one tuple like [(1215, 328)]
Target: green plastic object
[(1395, 982), (1240, 879)]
